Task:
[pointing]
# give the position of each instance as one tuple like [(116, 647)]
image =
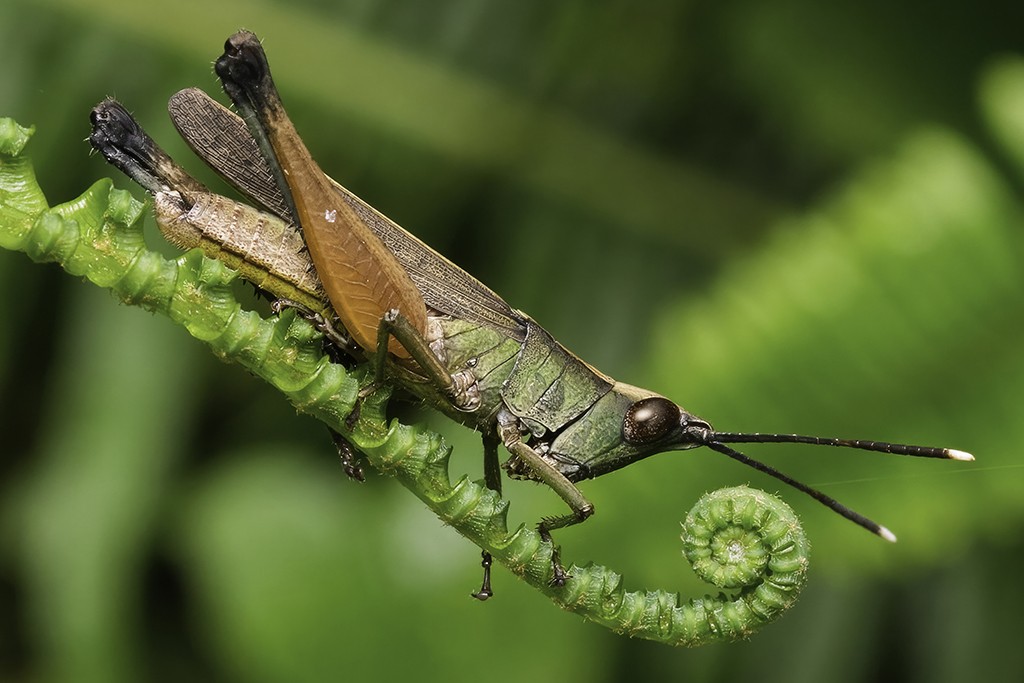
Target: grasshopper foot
[(339, 341), (349, 457), (558, 573), (485, 591), (357, 409), (353, 417)]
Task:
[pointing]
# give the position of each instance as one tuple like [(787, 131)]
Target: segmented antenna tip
[(886, 534)]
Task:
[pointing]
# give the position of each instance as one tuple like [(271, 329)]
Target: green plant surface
[(786, 217)]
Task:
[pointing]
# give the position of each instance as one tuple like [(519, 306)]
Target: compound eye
[(649, 420)]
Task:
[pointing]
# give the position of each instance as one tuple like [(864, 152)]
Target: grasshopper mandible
[(424, 323)]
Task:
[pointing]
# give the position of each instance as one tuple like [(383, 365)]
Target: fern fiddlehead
[(745, 540)]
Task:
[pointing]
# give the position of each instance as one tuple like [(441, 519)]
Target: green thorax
[(533, 377)]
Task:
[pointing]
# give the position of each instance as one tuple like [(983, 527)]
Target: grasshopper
[(424, 323)]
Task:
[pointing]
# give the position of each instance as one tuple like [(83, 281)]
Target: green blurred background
[(790, 216)]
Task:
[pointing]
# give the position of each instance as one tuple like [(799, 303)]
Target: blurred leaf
[(1002, 101)]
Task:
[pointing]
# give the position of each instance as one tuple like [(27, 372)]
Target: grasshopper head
[(656, 422), (624, 425), (628, 424)]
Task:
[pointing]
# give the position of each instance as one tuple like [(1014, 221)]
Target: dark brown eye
[(649, 420)]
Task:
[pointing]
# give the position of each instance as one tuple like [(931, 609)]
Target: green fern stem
[(744, 539)]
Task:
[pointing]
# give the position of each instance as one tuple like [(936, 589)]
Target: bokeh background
[(790, 216)]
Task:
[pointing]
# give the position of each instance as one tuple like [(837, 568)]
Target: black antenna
[(716, 441), (878, 446)]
